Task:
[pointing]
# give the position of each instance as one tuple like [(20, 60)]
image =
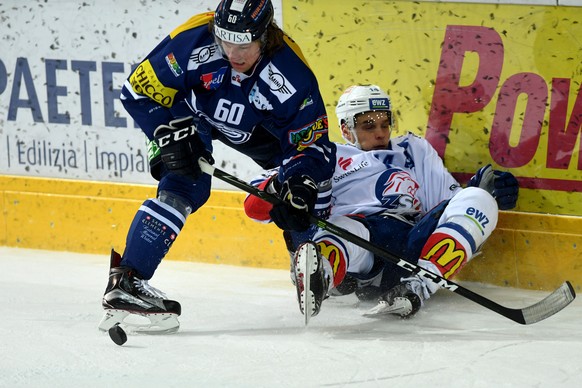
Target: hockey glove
[(502, 185), (299, 194), (181, 146)]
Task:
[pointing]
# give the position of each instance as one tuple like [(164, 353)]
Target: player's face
[(372, 130), (242, 57)]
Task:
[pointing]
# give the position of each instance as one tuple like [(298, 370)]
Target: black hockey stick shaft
[(543, 309)]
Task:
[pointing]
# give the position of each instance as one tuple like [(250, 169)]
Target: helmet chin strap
[(356, 143), (251, 71), (352, 129)]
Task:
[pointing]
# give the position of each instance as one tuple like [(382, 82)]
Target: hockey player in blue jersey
[(234, 76), (396, 193)]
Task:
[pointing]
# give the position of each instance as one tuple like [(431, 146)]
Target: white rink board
[(62, 65)]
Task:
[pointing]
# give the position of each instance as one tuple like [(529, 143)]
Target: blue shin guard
[(153, 230)]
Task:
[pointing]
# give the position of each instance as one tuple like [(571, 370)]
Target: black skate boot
[(311, 279), (127, 293), (404, 299)]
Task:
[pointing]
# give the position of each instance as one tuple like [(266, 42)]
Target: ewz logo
[(478, 215), (379, 103)]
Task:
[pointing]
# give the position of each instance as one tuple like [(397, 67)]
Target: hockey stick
[(550, 305)]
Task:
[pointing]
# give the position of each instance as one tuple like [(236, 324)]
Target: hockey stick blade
[(550, 305)]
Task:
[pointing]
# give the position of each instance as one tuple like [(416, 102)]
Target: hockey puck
[(117, 335)]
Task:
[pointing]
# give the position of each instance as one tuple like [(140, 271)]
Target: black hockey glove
[(181, 147), (502, 185), (299, 194)]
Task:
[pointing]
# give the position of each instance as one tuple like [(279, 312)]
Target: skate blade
[(307, 262), (112, 318), (308, 297), (140, 323), (401, 307)]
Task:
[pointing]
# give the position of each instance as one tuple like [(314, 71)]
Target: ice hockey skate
[(311, 280), (403, 300), (135, 305)]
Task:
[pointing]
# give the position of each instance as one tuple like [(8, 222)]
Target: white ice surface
[(241, 327)]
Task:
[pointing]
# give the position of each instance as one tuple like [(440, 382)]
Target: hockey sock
[(449, 247), (153, 230), (334, 252)]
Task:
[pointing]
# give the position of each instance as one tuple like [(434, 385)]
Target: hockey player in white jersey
[(396, 193)]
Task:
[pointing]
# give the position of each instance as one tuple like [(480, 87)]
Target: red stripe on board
[(535, 183)]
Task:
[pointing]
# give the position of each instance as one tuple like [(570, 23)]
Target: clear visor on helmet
[(371, 117), (364, 126), (237, 38)]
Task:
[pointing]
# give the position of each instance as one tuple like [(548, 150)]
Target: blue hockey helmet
[(242, 21)]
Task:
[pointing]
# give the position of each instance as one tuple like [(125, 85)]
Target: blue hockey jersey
[(275, 115)]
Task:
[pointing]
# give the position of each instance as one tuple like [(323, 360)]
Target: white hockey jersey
[(407, 178)]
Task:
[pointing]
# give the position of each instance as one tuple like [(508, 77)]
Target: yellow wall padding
[(531, 251), (527, 250), (94, 217)]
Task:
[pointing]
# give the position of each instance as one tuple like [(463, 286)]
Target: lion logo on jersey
[(396, 190)]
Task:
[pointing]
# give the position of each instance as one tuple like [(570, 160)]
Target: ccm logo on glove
[(181, 147), (176, 136)]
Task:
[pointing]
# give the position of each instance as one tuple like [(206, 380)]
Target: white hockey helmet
[(359, 99)]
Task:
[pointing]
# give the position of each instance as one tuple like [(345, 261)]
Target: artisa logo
[(231, 36)]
